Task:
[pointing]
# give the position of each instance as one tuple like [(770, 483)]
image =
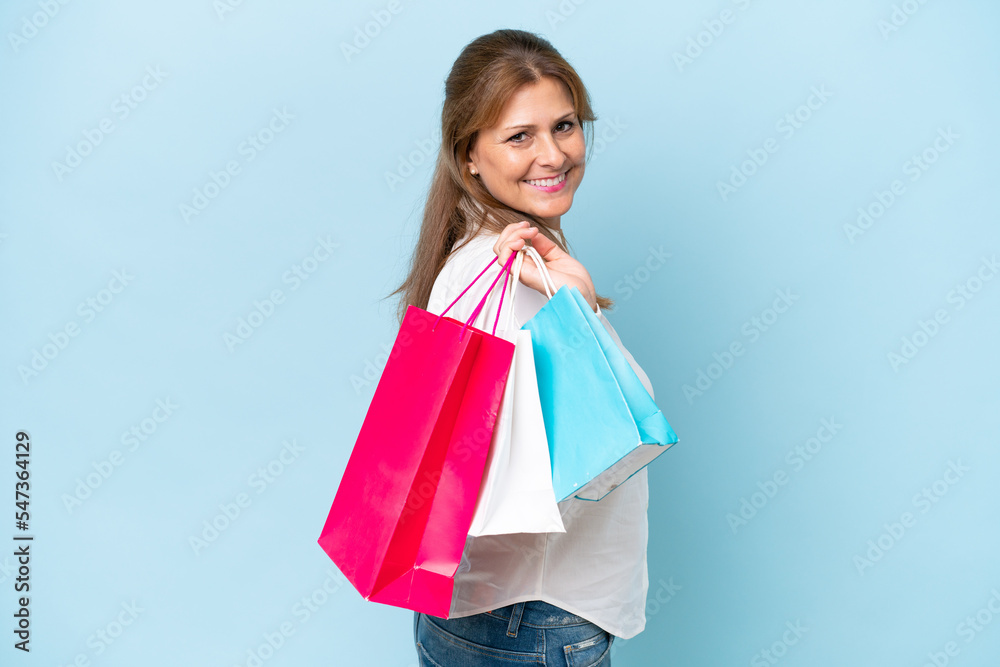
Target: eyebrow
[(531, 127)]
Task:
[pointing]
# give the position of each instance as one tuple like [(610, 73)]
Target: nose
[(549, 153)]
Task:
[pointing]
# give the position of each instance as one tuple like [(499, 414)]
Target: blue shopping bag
[(601, 423)]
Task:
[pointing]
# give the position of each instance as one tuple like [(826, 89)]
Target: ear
[(471, 162)]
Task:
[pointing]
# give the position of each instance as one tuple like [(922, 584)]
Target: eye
[(569, 125)]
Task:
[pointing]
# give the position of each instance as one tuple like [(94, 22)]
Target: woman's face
[(537, 138)]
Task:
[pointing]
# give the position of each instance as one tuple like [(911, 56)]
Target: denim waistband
[(536, 613)]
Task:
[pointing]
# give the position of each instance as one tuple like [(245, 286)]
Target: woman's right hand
[(562, 268)]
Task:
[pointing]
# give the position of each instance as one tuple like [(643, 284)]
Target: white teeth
[(548, 182)]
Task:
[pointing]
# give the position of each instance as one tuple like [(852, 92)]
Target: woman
[(512, 156)]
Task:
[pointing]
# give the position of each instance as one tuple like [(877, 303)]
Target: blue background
[(672, 131)]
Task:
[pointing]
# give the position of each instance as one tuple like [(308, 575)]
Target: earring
[(473, 171)]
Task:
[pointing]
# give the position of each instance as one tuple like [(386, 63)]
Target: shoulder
[(469, 257), (472, 248), (464, 263)]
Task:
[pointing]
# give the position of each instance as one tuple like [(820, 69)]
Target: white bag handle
[(515, 275), (547, 282)]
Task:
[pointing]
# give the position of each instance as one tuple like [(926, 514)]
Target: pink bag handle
[(482, 302)]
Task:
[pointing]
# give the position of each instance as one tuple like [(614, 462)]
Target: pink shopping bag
[(398, 523)]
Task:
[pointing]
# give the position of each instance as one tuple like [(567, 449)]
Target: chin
[(549, 213), (554, 209)]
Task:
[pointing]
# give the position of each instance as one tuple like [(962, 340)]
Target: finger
[(513, 231), (513, 245), (512, 240), (514, 228), (505, 235), (542, 244)]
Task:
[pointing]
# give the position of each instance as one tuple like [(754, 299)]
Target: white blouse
[(597, 568)]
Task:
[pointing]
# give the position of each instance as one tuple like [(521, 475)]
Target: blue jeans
[(526, 633)]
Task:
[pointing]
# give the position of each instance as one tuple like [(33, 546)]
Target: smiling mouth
[(548, 182)]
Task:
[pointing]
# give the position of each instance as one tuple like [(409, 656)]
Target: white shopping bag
[(516, 495)]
